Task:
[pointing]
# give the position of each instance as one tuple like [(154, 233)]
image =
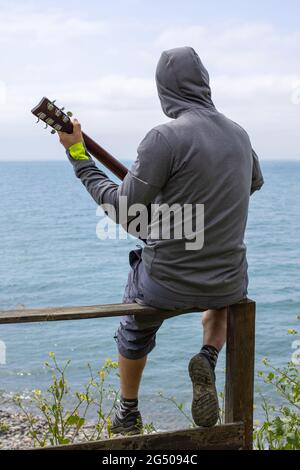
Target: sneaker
[(205, 404), (131, 423)]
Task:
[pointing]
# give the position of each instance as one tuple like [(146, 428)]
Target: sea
[(50, 255)]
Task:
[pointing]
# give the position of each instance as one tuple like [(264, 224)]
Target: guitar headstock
[(53, 116)]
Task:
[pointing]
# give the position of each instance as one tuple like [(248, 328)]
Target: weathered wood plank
[(81, 313), (228, 436), (78, 313), (240, 367)]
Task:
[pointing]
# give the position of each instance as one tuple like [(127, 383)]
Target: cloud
[(3, 93), (255, 77), (295, 98), (104, 72), (113, 92), (51, 28), (245, 48)]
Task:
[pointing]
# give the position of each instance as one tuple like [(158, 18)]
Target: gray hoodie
[(199, 157)]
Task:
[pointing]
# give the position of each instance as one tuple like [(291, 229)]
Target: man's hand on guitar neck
[(67, 140), (73, 143)]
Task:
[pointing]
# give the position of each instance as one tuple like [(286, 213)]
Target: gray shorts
[(136, 334)]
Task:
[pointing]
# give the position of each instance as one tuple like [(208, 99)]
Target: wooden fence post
[(240, 367)]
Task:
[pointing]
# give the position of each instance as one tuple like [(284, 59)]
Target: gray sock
[(211, 353), (127, 405)]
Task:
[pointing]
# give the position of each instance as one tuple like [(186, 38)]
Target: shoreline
[(15, 431)]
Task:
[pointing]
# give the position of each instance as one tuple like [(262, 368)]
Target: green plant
[(222, 407), (61, 424), (4, 427), (179, 407), (281, 428), (187, 416), (148, 428)]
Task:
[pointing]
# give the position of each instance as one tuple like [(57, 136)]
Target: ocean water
[(50, 256)]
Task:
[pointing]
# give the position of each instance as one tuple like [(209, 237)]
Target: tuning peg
[(53, 131), (62, 108), (69, 113), (53, 101), (46, 126), (37, 120)]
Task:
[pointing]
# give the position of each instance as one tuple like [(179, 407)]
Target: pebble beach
[(15, 431)]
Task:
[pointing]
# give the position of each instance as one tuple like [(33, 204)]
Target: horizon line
[(132, 160)]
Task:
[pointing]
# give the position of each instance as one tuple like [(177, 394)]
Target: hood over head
[(182, 81)]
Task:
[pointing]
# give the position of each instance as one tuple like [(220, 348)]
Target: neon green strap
[(77, 151)]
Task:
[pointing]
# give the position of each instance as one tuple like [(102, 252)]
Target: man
[(200, 157)]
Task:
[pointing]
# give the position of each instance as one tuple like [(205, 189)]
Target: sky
[(98, 59)]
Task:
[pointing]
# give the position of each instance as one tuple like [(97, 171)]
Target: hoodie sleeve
[(147, 176), (257, 177)]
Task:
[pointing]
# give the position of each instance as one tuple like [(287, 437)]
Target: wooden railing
[(236, 433)]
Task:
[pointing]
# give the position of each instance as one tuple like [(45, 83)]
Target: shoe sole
[(130, 431), (205, 404)]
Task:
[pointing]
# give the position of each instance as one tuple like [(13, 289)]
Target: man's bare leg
[(214, 327), (127, 418), (130, 376)]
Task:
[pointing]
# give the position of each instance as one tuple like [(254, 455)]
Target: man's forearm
[(97, 183)]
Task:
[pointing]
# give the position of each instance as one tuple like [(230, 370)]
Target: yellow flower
[(291, 331)]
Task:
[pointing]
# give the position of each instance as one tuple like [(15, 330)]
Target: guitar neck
[(104, 157)]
